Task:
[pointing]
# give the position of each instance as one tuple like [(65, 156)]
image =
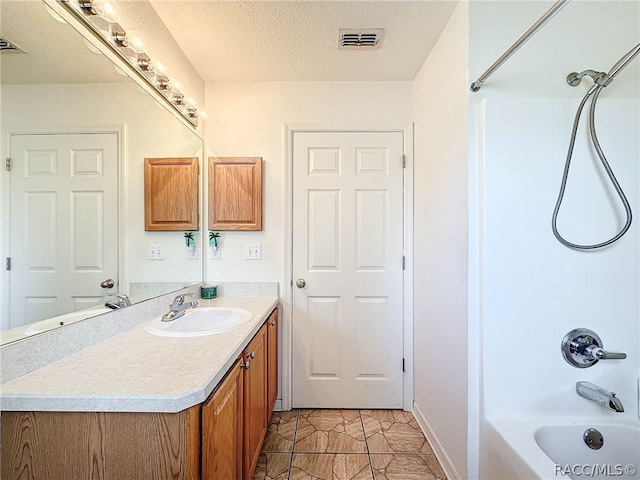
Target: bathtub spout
[(599, 395)]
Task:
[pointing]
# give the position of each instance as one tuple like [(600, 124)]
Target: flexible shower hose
[(594, 91)]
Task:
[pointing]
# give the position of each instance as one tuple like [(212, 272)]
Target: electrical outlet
[(156, 251), (252, 251), (215, 253), (193, 253)]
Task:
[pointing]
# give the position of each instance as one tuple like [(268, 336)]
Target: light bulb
[(160, 68), (135, 41), (108, 10)]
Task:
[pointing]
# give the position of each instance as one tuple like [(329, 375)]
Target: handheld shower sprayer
[(600, 80)]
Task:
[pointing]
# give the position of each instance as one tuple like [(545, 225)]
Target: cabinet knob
[(251, 355), (245, 365), (273, 323)]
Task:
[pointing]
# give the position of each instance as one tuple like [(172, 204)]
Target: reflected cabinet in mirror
[(77, 132)]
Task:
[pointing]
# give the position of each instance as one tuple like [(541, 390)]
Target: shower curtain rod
[(559, 5)]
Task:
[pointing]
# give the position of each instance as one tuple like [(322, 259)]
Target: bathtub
[(535, 449)]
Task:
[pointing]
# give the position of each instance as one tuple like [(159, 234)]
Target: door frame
[(286, 385), (5, 192)]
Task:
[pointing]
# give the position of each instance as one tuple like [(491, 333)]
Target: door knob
[(108, 283), (300, 283)]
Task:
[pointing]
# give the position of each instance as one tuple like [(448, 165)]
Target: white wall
[(440, 106), (150, 131), (248, 120), (531, 290)]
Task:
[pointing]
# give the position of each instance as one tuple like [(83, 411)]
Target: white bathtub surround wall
[(440, 106), (537, 290), (25, 356), (532, 290)]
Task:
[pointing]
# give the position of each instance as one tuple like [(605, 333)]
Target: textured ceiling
[(298, 40)]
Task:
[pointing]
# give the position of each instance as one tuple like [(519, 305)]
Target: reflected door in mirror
[(64, 223)]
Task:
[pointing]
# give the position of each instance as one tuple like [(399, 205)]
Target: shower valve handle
[(582, 348), (600, 354)]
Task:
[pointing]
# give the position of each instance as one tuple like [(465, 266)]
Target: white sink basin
[(201, 321)]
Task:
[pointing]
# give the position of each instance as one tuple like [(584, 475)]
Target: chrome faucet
[(177, 308), (120, 301), (599, 395)]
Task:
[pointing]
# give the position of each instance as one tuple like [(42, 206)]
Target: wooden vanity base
[(99, 445)]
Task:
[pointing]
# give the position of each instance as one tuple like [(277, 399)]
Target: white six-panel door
[(347, 269), (64, 223)]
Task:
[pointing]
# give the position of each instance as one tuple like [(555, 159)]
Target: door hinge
[(403, 364), (404, 161), (7, 164), (8, 263), (404, 262)]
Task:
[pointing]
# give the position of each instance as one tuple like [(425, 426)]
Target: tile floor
[(346, 445)]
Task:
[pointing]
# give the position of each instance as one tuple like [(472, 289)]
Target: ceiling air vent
[(366, 39), (9, 47)]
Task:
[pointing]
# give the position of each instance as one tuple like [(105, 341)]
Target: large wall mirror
[(78, 130)]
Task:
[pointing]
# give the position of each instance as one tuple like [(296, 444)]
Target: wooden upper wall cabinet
[(235, 193), (170, 194)]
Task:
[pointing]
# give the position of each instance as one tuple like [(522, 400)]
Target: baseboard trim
[(441, 455), (277, 406)]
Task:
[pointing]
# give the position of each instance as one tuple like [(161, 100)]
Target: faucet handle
[(179, 300), (600, 354), (582, 348)]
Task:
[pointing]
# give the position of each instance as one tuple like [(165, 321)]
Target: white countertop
[(137, 371)]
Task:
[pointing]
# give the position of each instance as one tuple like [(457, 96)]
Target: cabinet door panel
[(255, 398), (170, 194), (222, 419), (235, 193), (101, 445)]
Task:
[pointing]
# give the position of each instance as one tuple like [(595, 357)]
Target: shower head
[(601, 78)]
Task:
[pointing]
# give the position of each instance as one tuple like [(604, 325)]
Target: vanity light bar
[(115, 38)]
